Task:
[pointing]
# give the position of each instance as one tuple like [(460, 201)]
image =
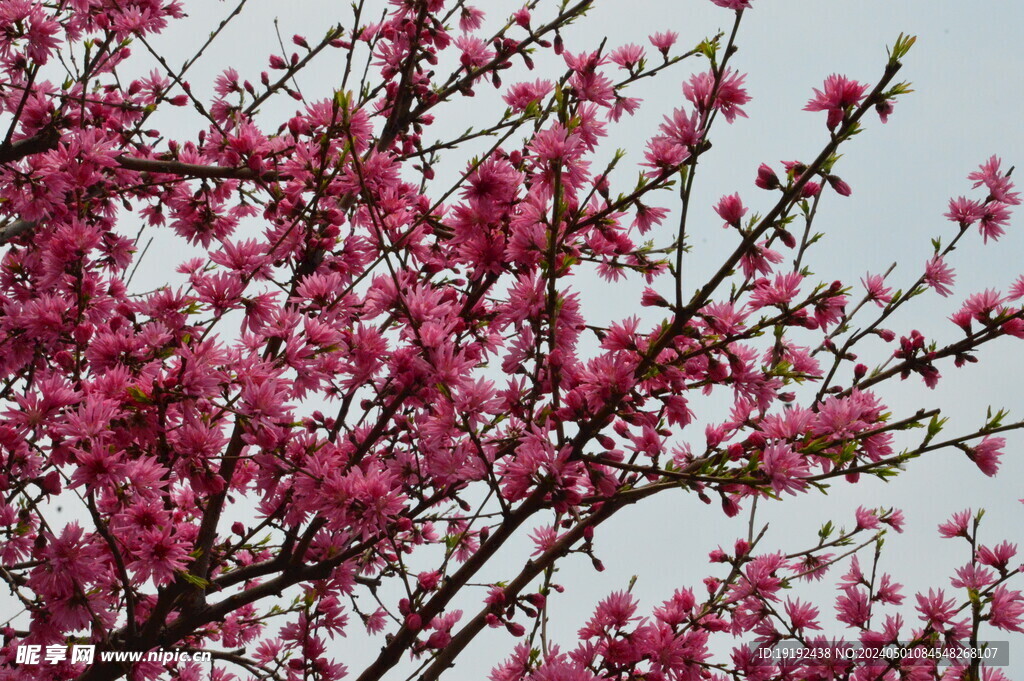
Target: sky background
[(966, 69)]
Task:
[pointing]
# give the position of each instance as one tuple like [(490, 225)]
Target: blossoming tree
[(377, 376)]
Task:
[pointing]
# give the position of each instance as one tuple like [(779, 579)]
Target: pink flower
[(894, 519), (781, 291), (475, 52), (838, 95), (733, 4), (964, 211), (802, 615), (784, 468), (227, 82), (884, 110), (956, 526), (972, 577), (649, 216), (41, 36), (614, 612), (1017, 289), (682, 128), (1007, 609), (766, 177), (470, 19), (520, 95), (866, 519), (664, 155), (986, 454), (556, 144), (998, 184), (939, 276), (994, 218), (980, 306), (853, 607), (876, 289), (664, 41), (934, 609), (730, 208), (728, 98), (999, 556), (159, 555), (627, 56)]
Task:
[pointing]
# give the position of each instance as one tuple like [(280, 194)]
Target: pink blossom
[(935, 610), (998, 556), (731, 209), (964, 211), (836, 97), (737, 5), (520, 95), (727, 88), (986, 454), (627, 56), (766, 177), (664, 40), (972, 576), (682, 128), (866, 519), (664, 156), (994, 218), (852, 607), (648, 216), (802, 615), (470, 18), (1007, 609), (475, 52), (939, 276), (877, 291), (998, 183), (956, 526), (778, 292), (784, 468)]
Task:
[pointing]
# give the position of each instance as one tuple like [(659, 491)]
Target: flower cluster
[(367, 379)]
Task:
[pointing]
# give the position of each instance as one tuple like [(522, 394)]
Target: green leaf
[(195, 580), (138, 396), (901, 47)]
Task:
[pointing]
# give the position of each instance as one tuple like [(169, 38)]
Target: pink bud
[(439, 639), (515, 628), (766, 177), (50, 483), (810, 189), (428, 581), (841, 187)]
